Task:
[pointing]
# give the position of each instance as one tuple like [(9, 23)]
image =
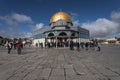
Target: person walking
[(99, 47), (71, 45), (19, 46), (9, 46), (86, 45), (78, 46)]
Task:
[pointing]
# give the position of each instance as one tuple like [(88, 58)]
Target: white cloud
[(16, 34), (76, 23), (74, 15), (14, 24), (115, 16), (25, 35), (15, 18), (8, 20), (75, 20), (21, 18), (39, 26), (101, 27)]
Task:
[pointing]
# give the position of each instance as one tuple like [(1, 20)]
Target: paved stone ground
[(61, 64)]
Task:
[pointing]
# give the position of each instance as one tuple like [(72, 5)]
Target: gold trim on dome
[(60, 15)]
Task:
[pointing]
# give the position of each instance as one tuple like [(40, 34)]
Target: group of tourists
[(72, 45), (17, 46), (87, 45), (39, 45)]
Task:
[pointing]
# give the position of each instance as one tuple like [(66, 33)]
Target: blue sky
[(18, 18)]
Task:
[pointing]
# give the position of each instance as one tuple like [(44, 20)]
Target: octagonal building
[(60, 32)]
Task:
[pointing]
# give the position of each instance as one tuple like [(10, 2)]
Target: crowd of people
[(87, 45), (72, 45), (17, 46)]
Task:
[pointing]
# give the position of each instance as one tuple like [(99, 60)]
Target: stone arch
[(62, 34), (50, 34), (73, 34)]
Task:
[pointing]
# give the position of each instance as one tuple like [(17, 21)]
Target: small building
[(108, 40)]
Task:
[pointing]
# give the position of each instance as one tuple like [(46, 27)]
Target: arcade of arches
[(60, 40)]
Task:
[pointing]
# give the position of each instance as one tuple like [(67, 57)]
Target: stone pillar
[(45, 42), (79, 37), (69, 41), (45, 39), (69, 35), (56, 41)]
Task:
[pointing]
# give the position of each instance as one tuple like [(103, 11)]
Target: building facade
[(60, 32)]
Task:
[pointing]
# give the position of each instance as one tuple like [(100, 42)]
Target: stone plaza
[(61, 64)]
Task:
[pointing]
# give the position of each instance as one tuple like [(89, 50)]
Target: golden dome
[(60, 15)]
